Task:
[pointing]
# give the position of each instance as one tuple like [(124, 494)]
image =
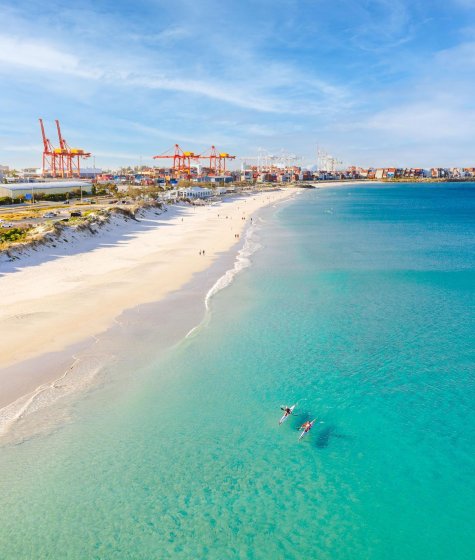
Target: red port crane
[(63, 161), (216, 160), (50, 157), (222, 157), (70, 157), (182, 160)]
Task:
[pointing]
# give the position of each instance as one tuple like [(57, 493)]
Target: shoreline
[(27, 374)]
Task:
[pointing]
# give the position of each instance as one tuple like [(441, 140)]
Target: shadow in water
[(324, 436)]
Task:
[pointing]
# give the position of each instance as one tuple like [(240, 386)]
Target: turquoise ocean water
[(360, 305)]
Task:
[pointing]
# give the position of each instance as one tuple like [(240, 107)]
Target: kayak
[(304, 433), (285, 416)]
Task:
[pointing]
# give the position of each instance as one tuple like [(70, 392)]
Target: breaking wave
[(242, 261)]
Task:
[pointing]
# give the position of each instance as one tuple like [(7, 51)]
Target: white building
[(195, 192), (54, 187)]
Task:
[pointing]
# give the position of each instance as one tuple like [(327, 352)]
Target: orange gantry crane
[(63, 161), (217, 160), (50, 158), (182, 160)]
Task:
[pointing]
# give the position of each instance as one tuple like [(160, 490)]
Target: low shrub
[(12, 234)]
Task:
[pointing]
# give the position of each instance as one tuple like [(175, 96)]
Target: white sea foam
[(243, 260)]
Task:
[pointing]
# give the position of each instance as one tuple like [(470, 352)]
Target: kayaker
[(287, 410), (306, 426)]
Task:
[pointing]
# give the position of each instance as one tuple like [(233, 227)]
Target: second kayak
[(306, 428)]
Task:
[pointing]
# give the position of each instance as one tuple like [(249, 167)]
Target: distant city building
[(90, 172), (222, 179), (32, 173)]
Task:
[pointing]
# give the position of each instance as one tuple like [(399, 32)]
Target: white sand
[(65, 294)]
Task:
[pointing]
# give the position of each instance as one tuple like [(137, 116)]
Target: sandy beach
[(64, 295)]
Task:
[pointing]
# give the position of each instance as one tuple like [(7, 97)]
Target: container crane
[(50, 157), (268, 162), (217, 160), (70, 158), (223, 156), (63, 161), (326, 162), (62, 151), (181, 160)]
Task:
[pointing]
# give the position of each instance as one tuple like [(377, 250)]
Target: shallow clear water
[(360, 304)]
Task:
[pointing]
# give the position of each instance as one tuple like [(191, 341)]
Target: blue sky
[(376, 82)]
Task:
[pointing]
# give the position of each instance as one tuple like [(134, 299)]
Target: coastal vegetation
[(17, 239), (12, 235)]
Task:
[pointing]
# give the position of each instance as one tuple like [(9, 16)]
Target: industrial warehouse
[(30, 190)]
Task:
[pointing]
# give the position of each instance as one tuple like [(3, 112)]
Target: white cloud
[(261, 94), (425, 122), (41, 56), (27, 148), (460, 58)]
